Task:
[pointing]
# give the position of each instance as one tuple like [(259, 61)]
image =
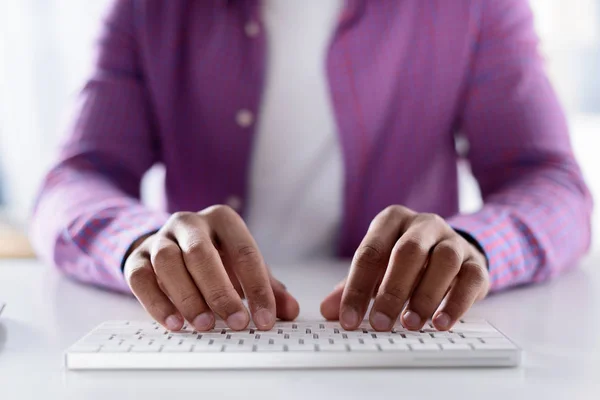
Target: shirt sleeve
[(88, 212), (535, 221)]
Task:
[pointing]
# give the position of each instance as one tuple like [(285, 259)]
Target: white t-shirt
[(297, 172)]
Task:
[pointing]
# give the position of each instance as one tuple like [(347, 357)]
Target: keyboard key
[(269, 348), (332, 347), (408, 341), (467, 340), (301, 347), (444, 334), (456, 346), (387, 346), (499, 346), (215, 348), (183, 348), (436, 340), (425, 347), (114, 349), (238, 349), (145, 349), (363, 347)]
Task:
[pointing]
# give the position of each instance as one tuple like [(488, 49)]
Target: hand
[(201, 264), (414, 258)]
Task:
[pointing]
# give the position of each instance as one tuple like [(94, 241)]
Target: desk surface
[(557, 324)]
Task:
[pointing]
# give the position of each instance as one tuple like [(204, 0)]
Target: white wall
[(44, 51)]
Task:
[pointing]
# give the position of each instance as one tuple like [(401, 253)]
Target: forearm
[(84, 224), (535, 226)]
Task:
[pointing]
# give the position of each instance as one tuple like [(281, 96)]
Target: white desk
[(558, 325)]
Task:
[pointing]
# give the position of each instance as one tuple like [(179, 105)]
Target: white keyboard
[(316, 344)]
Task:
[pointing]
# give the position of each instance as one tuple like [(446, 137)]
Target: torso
[(394, 107), (296, 175)]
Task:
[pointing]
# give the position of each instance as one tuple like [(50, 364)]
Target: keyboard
[(309, 344)]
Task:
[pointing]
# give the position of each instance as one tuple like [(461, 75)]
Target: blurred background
[(45, 48)]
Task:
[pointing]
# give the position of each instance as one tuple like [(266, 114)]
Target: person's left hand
[(414, 263)]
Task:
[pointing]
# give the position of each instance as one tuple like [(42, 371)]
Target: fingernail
[(264, 318), (349, 318), (412, 319), (442, 321), (173, 322), (204, 321), (381, 322), (238, 320)]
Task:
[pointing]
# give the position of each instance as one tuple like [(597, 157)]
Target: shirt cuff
[(144, 226), (107, 237), (483, 233)]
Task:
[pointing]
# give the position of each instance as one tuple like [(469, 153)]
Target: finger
[(206, 269), (234, 280), (444, 265), (472, 282), (242, 254), (177, 283), (408, 258), (330, 306), (286, 305), (142, 281), (369, 264)]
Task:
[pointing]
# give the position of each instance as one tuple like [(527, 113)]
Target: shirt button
[(244, 118), (252, 29), (234, 202)]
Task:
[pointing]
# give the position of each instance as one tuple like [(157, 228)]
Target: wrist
[(473, 242), (137, 243)]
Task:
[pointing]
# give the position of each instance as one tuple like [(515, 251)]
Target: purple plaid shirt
[(176, 82)]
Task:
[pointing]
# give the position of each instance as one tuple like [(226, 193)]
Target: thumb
[(287, 306), (330, 307)]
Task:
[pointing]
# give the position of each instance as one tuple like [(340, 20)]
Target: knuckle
[(165, 257), (353, 294), (189, 300), (474, 273), (413, 247), (425, 301), (259, 292), (432, 219), (247, 252), (181, 216), (138, 278), (220, 299), (223, 211), (391, 211), (394, 295), (370, 255), (199, 249), (394, 213), (449, 255), (248, 256)]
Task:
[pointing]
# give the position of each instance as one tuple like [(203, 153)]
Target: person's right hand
[(202, 264)]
